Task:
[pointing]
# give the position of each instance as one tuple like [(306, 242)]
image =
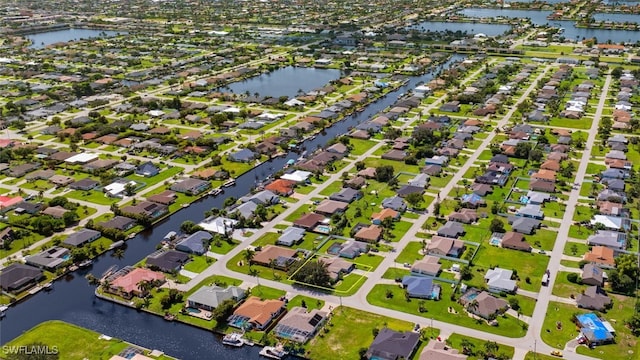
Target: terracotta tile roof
[(259, 311)]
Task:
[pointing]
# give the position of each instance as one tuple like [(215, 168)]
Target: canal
[(73, 299), (40, 40)]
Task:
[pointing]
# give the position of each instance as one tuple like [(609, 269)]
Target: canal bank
[(73, 299)]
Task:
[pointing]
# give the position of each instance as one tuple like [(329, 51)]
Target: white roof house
[(297, 176), (81, 158), (499, 280), (219, 224), (155, 113), (117, 188)]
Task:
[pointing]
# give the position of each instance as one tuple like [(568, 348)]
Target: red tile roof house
[(128, 285), (281, 187), (370, 234), (256, 313)]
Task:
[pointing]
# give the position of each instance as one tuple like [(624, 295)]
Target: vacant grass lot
[(67, 338), (349, 330), (454, 340)]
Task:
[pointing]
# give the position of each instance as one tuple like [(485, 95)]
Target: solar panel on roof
[(315, 320)]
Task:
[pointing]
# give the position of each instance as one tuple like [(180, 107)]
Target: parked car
[(557, 353)]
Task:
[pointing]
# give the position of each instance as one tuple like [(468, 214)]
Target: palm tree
[(467, 346), (248, 256), (144, 286), (92, 279), (472, 307)]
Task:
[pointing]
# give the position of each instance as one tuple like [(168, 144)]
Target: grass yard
[(454, 340), (369, 261), (199, 263), (223, 248), (94, 196), (438, 310), (528, 265), (349, 330), (310, 302), (349, 285), (543, 239), (575, 249), (265, 292), (73, 342), (410, 253), (394, 273), (563, 288), (361, 146), (562, 313), (538, 356)]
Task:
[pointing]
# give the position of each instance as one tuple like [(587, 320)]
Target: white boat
[(48, 286), (3, 311), (233, 339), (216, 191), (273, 352), (85, 263), (116, 244), (230, 182)]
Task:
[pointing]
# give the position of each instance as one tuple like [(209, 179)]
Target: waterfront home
[(210, 297), (256, 313), (392, 345), (81, 237), (428, 266), (499, 280), (219, 225), (49, 259), (190, 186), (299, 324), (147, 209), (121, 223), (244, 155), (18, 277), (166, 197), (196, 243), (127, 281), (167, 260), (281, 187)]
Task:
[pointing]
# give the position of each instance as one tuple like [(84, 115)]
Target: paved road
[(544, 295)]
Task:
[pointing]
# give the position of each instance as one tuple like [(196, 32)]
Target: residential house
[(291, 236), (56, 212), (256, 313), (487, 306), (336, 267), (278, 257), (611, 222), (167, 260), (127, 281), (84, 184), (281, 187), (121, 223), (592, 275), (515, 241), (593, 298), (421, 287), (370, 234), (601, 256), (299, 324), (524, 225), (428, 266), (308, 221), (437, 350), (531, 211), (244, 155), (49, 259), (445, 246), (196, 243), (330, 207), (347, 195), (18, 277), (379, 217), (396, 203), (147, 169), (393, 345), (191, 186), (210, 297), (451, 229), (166, 197), (409, 189), (151, 210), (499, 280), (351, 249)]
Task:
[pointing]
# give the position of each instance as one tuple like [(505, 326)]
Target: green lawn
[(626, 346), (72, 342), (349, 285), (222, 247), (527, 265), (265, 292), (162, 176), (543, 239), (199, 263), (454, 340), (309, 301), (575, 249), (20, 244), (94, 196), (350, 330), (438, 310), (394, 273), (361, 146), (538, 356), (369, 261), (410, 253), (563, 288)]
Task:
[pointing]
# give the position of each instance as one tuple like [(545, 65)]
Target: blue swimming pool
[(334, 249), (494, 241), (325, 229), (193, 310)]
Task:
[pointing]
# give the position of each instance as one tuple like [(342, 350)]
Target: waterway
[(287, 81), (539, 17), (617, 17), (41, 40), (73, 299), (469, 28)]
